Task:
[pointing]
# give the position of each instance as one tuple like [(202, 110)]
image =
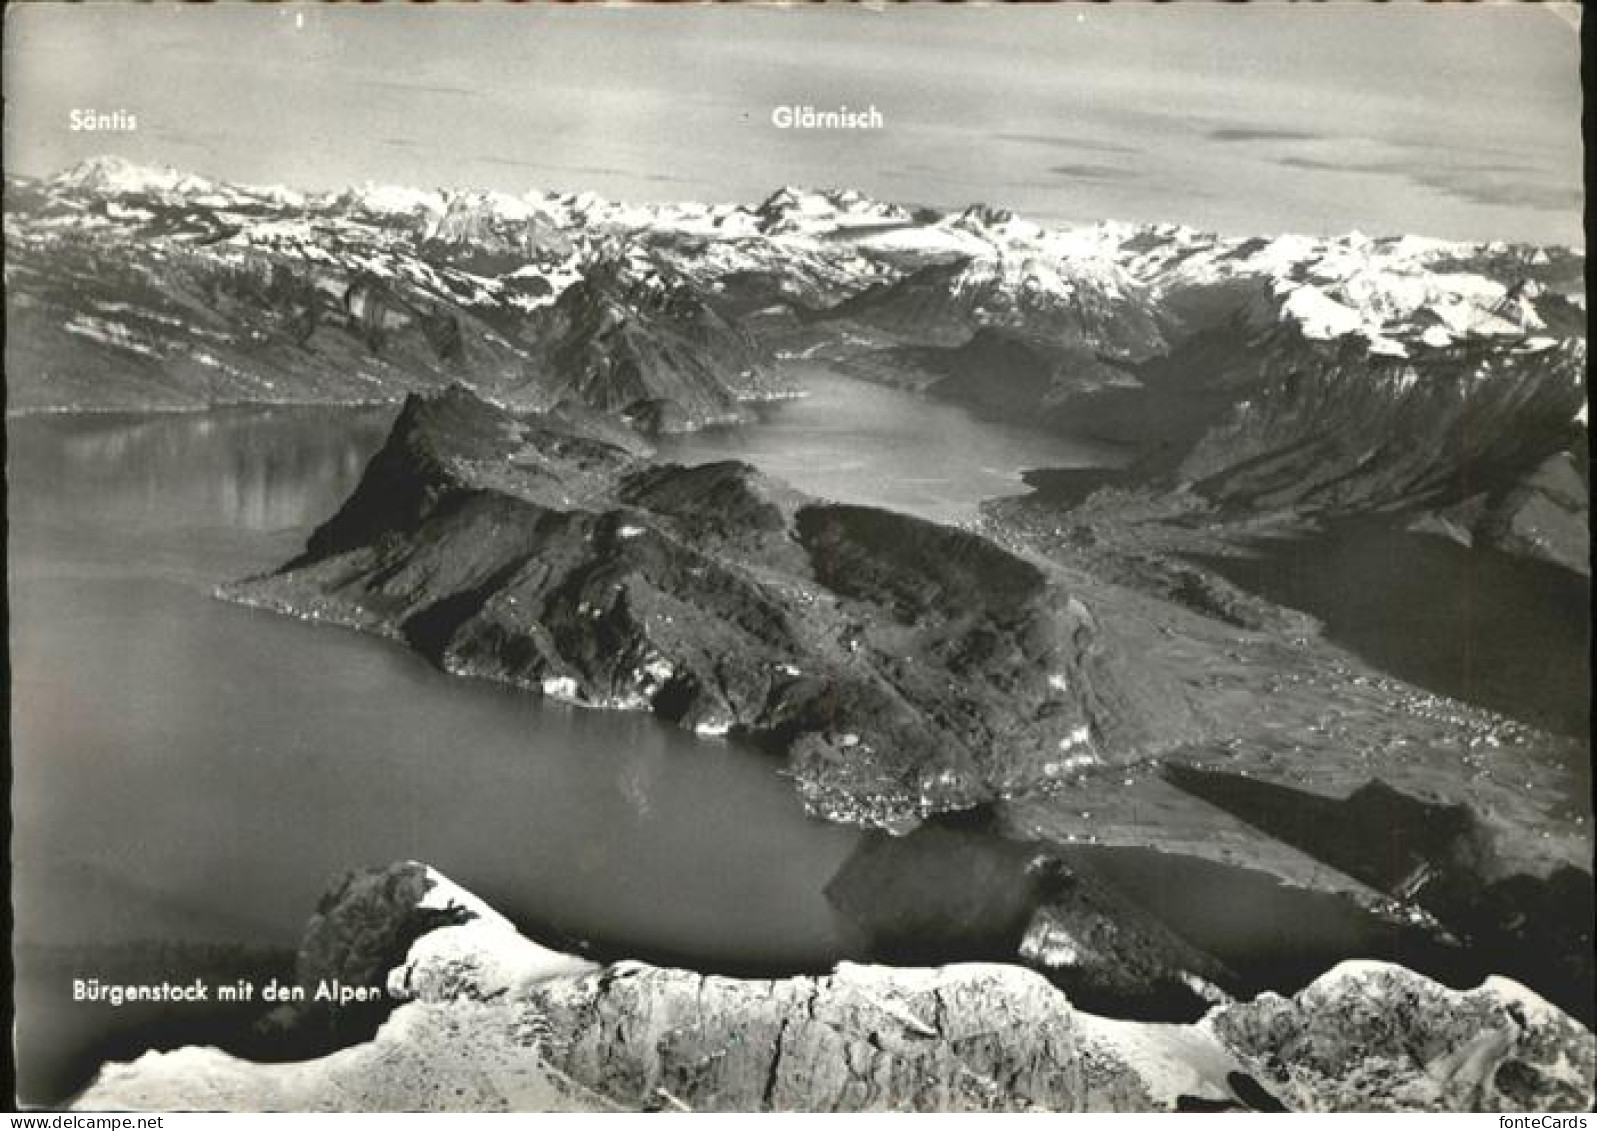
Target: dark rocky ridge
[(904, 668), (1330, 429), (1541, 516)]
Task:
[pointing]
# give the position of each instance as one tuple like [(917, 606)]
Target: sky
[(1460, 121)]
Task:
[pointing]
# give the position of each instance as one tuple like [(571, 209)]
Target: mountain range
[(403, 286), (1325, 374)]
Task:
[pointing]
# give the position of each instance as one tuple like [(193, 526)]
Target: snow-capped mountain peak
[(389, 200), (110, 175)]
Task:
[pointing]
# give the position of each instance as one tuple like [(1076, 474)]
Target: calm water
[(854, 442)]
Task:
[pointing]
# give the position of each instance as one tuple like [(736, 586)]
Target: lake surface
[(186, 768)]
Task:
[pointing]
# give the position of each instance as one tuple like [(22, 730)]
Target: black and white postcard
[(813, 558)]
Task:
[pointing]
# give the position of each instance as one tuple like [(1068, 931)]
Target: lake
[(190, 768), (854, 442)]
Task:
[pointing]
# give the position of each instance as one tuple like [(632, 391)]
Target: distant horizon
[(751, 203), (1446, 122)]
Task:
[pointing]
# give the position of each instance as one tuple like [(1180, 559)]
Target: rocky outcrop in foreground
[(489, 1020)]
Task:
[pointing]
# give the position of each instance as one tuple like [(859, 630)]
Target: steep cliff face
[(1272, 420), (487, 1020), (944, 303), (1332, 428), (903, 667)]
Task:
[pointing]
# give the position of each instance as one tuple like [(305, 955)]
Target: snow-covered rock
[(490, 1021), (471, 278), (117, 176)]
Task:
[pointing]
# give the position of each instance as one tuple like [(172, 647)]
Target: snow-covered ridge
[(490, 1020), (112, 176)]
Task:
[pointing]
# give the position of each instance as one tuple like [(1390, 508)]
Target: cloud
[(1481, 186), (1490, 183), (584, 170), (1062, 142), (482, 160), (421, 88), (1330, 166), (1089, 172)]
